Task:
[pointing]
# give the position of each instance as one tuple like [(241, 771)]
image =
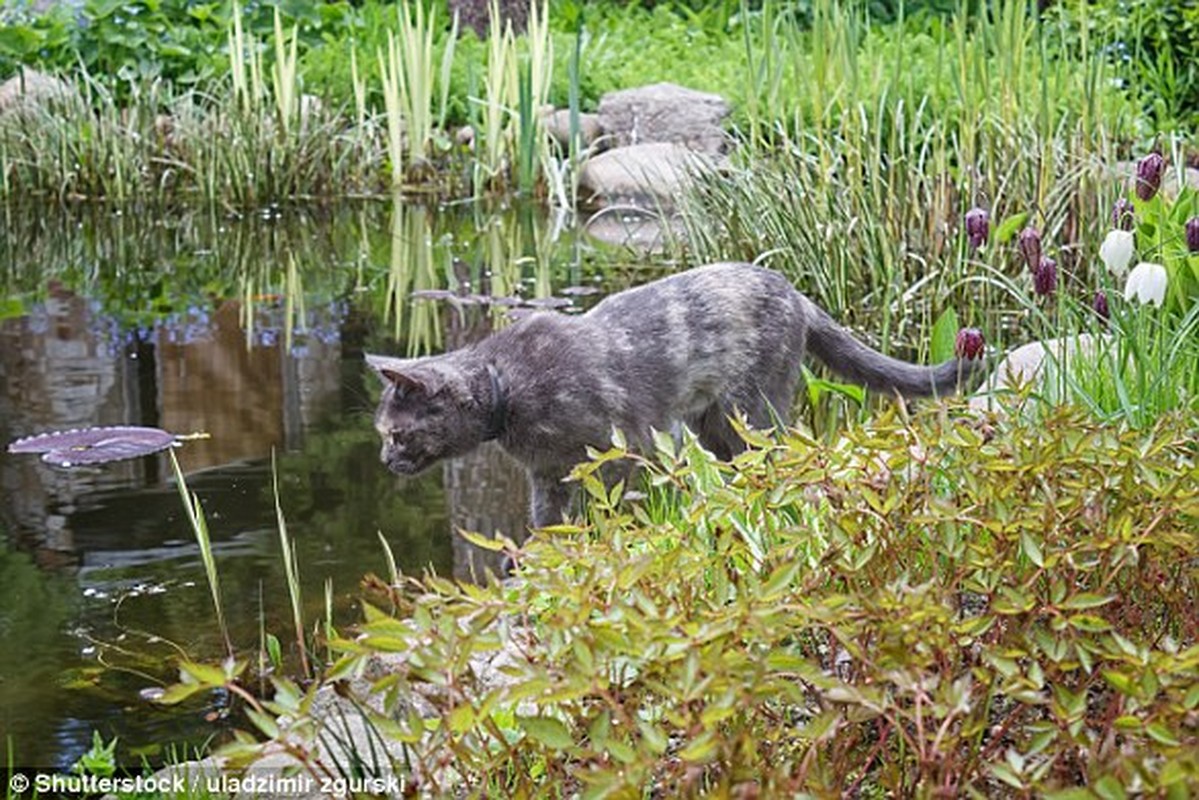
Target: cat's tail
[(851, 359)]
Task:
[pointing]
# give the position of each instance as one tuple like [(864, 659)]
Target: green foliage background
[(1154, 43)]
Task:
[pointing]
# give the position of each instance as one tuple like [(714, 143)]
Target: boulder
[(1027, 363), (648, 175), (29, 88), (665, 112), (557, 125)]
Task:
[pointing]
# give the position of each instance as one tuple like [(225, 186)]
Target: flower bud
[(1124, 214), (978, 226), (969, 343), (1100, 306), (1193, 234), (1045, 277), (1149, 175), (1029, 242)]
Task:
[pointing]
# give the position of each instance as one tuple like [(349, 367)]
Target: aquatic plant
[(199, 525)]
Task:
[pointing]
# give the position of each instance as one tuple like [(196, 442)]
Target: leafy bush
[(1155, 43), (924, 606)]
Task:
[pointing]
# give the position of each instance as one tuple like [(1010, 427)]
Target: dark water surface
[(251, 330)]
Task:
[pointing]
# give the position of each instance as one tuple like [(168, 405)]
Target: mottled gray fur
[(692, 348)]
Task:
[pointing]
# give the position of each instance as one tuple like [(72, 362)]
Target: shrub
[(925, 606)]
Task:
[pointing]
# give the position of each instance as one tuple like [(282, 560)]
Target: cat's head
[(427, 412)]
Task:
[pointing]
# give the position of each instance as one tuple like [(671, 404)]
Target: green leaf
[(1109, 788), (1073, 793), (1086, 600), (548, 731), (462, 718), (178, 693), (1161, 734), (1089, 623), (1032, 549), (1005, 773), (701, 749), (274, 651), (265, 723), (945, 332), (779, 580), (1005, 230), (205, 674), (482, 542)]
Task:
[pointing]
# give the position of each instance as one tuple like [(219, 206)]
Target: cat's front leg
[(549, 499)]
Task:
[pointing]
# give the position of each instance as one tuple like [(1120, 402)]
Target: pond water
[(250, 329)]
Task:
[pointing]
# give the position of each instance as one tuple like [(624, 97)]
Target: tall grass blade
[(199, 526), (291, 571)]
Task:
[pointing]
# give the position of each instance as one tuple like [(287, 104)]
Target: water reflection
[(252, 331)]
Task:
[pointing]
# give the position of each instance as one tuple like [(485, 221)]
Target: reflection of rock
[(216, 384), (488, 495), (485, 489), (638, 230), (60, 368)]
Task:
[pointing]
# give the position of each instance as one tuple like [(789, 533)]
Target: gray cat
[(692, 348)]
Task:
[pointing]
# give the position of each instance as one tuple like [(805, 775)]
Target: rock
[(1027, 363), (465, 137), (31, 88), (665, 112), (649, 175), (557, 125)]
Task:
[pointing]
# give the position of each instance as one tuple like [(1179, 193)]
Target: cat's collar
[(497, 417)]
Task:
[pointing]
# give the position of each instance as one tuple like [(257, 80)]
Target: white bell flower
[(1116, 251), (1147, 283)]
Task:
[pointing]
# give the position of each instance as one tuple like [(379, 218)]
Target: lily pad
[(94, 445)]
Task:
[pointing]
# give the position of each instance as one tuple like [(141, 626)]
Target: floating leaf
[(95, 445)]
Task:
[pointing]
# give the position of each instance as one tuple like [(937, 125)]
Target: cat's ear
[(398, 372)]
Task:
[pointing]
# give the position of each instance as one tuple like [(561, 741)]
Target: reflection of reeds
[(411, 269)]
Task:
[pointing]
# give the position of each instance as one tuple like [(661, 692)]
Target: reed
[(291, 571), (890, 139), (199, 526)]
